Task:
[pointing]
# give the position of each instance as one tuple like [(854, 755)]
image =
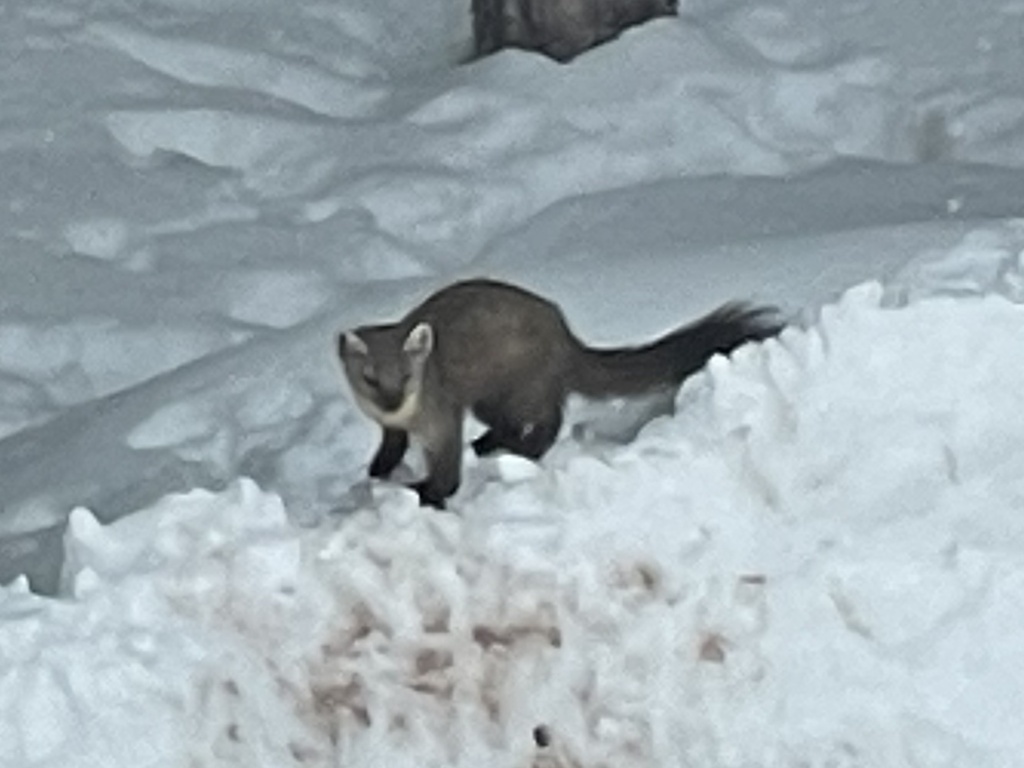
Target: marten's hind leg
[(526, 423)]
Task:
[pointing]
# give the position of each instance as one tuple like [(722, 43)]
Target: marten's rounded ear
[(420, 340), (350, 344)]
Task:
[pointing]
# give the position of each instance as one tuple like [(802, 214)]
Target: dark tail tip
[(750, 322), (722, 331)]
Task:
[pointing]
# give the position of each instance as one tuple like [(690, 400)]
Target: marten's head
[(384, 367)]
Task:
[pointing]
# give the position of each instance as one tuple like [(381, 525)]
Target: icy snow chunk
[(94, 551), (204, 516), (172, 425), (19, 586), (101, 238), (514, 469), (276, 298), (177, 529), (91, 543)]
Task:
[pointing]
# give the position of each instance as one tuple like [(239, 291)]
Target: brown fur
[(560, 29), (508, 356)]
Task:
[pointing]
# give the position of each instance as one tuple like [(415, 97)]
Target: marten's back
[(491, 338)]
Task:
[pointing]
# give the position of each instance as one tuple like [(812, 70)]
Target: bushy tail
[(669, 360)]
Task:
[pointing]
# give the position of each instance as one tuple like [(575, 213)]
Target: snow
[(812, 557)]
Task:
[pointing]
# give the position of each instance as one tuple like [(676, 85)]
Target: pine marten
[(508, 356)]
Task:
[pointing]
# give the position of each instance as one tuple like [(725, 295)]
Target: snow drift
[(792, 570)]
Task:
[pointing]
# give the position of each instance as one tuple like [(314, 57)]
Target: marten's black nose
[(391, 399)]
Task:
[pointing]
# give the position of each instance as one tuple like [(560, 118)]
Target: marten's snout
[(391, 399)]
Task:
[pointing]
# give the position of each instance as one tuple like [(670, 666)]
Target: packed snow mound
[(790, 571)]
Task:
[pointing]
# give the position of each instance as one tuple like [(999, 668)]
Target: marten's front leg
[(393, 445), (443, 449)]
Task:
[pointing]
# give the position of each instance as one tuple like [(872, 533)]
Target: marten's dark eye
[(370, 376)]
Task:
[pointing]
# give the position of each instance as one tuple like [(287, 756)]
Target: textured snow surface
[(815, 561), (798, 569)]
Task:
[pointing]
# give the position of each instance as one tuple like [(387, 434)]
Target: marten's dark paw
[(380, 469), (428, 496), (486, 444)]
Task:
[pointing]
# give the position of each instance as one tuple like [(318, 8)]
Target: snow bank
[(816, 562)]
